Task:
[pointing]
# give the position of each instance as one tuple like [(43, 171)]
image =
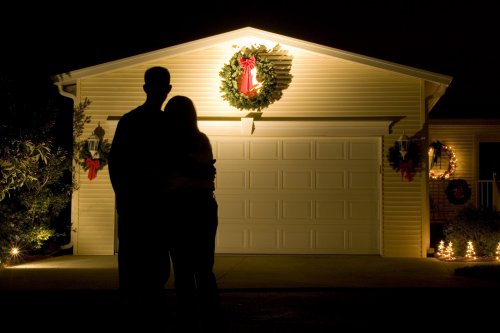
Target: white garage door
[(298, 195)]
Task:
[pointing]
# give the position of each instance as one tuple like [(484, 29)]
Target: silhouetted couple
[(162, 171)]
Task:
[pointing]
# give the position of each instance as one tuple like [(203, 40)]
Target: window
[(489, 164)]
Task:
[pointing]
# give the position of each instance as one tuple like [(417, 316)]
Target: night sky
[(447, 38)]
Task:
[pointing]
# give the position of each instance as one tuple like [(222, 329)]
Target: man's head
[(157, 84)]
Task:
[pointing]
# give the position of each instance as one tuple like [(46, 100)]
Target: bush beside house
[(35, 172), (480, 226)]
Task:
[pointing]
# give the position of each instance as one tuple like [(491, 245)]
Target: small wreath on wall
[(407, 166), (90, 163), (255, 77), (458, 191), (97, 159), (436, 151)]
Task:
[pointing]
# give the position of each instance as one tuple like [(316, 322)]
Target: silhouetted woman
[(195, 211)]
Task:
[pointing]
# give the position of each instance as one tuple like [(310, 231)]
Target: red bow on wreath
[(93, 166), (406, 168), (246, 79)]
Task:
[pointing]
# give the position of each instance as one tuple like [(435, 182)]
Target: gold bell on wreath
[(403, 143)]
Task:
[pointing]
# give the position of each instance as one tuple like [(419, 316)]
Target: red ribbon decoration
[(93, 166), (406, 169), (246, 80)]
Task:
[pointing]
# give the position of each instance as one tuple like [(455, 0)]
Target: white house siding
[(403, 201), (321, 86), (463, 136), (95, 224)]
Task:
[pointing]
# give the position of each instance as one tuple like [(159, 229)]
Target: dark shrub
[(480, 226)]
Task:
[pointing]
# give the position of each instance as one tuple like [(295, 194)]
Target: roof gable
[(435, 84)]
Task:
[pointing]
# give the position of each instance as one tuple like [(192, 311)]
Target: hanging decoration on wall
[(93, 152), (458, 191), (255, 77), (404, 157), (436, 160)]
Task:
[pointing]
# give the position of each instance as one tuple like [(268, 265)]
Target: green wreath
[(458, 191), (85, 157), (268, 90), (408, 166)]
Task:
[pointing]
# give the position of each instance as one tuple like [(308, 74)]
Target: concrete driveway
[(265, 293)]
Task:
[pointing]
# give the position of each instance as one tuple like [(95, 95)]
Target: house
[(475, 144), (305, 174)]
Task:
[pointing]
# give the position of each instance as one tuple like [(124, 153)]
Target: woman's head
[(182, 111)]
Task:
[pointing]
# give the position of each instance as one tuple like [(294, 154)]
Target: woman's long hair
[(192, 147), (182, 113)]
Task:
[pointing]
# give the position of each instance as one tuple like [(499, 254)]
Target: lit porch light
[(93, 145), (403, 142)]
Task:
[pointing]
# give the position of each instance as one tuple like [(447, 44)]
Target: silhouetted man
[(137, 167)]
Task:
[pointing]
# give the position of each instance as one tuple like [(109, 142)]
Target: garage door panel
[(347, 239), (362, 210), (330, 180), (264, 150), (364, 240), (297, 209), (230, 209), (297, 179), (264, 209), (363, 150), (266, 206), (298, 239), (331, 240), (298, 195), (231, 179), (330, 150), (264, 239), (331, 210), (363, 180), (231, 238), (264, 179), (231, 150), (297, 150), (319, 240)]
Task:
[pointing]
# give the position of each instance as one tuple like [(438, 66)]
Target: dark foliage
[(481, 226)]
